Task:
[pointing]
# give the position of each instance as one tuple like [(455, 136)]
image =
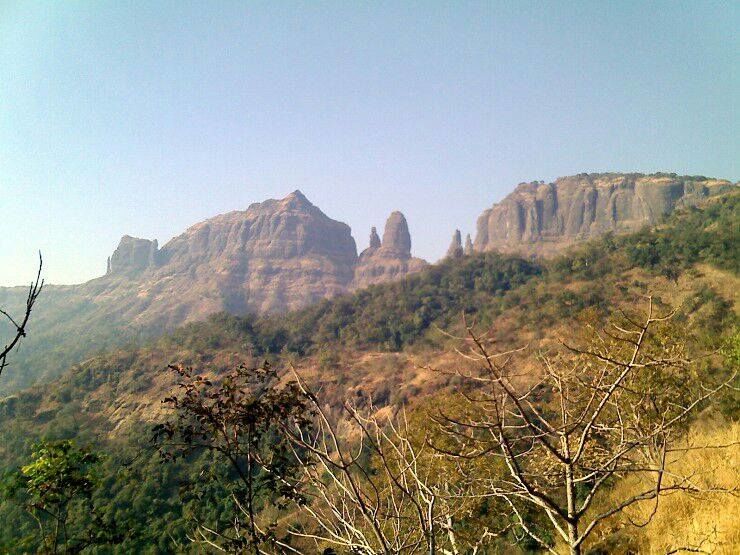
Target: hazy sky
[(146, 117)]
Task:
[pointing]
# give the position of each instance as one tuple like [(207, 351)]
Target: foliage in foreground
[(544, 447), (58, 482)]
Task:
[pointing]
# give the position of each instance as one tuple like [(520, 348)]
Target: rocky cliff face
[(389, 259), (133, 256), (277, 255), (542, 218), (284, 254)]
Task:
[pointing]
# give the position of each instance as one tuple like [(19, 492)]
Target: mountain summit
[(277, 255)]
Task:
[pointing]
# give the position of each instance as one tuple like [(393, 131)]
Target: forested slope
[(374, 343)]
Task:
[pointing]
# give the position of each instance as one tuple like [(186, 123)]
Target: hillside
[(690, 260), (286, 254), (376, 343), (275, 256)]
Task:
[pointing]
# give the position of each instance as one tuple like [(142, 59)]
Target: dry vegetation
[(394, 346)]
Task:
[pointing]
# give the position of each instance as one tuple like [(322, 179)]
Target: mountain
[(691, 260), (377, 344), (543, 218), (276, 256), (282, 255)]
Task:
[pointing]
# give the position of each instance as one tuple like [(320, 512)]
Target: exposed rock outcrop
[(468, 250), (374, 239), (284, 254), (277, 255), (396, 236), (542, 218), (133, 256), (455, 250), (389, 260)]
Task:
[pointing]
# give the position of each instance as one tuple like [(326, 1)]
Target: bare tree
[(376, 488), (552, 442), (614, 409), (19, 324)]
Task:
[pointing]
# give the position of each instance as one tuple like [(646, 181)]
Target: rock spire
[(374, 239), (455, 249), (390, 259), (396, 237), (468, 250)]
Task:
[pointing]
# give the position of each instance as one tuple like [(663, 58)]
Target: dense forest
[(355, 425)]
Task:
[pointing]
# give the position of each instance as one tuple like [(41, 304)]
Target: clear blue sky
[(146, 117)]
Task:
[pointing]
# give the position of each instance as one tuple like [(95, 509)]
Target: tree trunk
[(575, 548), (570, 492)]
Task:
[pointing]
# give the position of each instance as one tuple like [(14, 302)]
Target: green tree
[(238, 419), (60, 481)]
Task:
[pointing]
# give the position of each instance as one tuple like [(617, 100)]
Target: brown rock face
[(277, 255), (396, 237), (542, 218), (389, 260)]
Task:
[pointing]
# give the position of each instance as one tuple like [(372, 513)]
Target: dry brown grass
[(685, 523)]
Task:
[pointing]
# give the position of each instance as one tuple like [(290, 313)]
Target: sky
[(143, 118)]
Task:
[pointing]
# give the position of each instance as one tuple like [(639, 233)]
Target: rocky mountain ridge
[(276, 256), (541, 219), (389, 259), (280, 255)]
